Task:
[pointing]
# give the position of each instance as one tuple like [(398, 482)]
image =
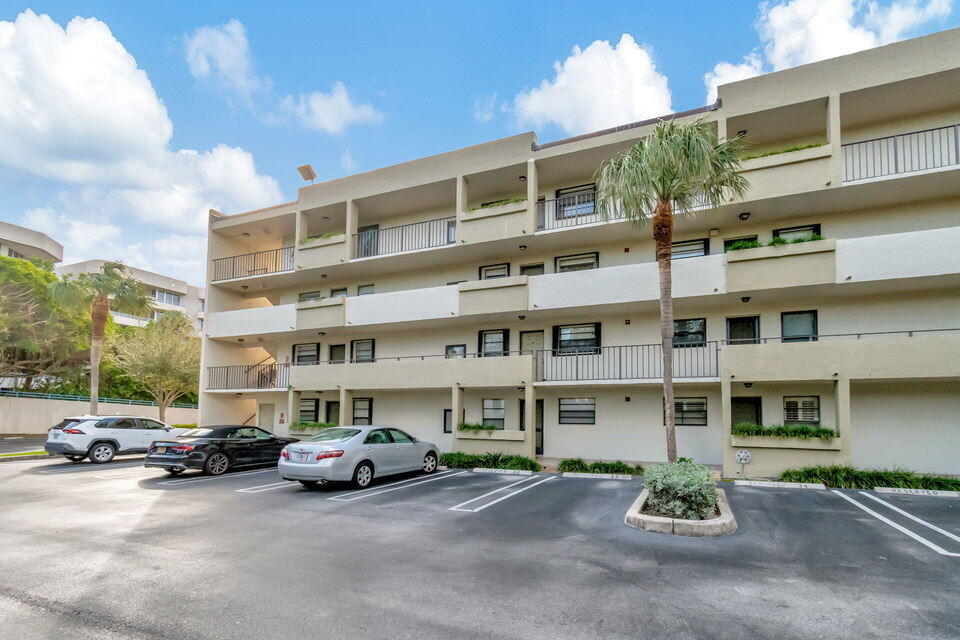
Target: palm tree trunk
[(98, 323), (663, 240)]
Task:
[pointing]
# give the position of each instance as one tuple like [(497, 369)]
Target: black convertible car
[(214, 450)]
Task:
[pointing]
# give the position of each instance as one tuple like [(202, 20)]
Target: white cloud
[(79, 113), (222, 55), (804, 31), (347, 162), (86, 239), (598, 87), (484, 106), (181, 251)]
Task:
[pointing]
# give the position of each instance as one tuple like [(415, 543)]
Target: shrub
[(579, 465), (797, 147), (801, 431), (489, 460), (573, 465), (813, 238), (681, 490), (475, 426), (744, 244), (777, 242), (191, 425), (303, 425), (851, 478)]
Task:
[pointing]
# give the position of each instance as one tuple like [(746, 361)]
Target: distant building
[(169, 294), (21, 242)]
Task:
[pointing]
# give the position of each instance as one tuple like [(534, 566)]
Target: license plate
[(302, 456), (161, 449)]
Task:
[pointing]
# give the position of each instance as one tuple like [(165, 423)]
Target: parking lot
[(120, 551)]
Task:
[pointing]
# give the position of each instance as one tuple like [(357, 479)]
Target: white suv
[(102, 437)]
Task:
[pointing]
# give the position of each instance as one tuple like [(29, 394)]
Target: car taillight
[(329, 454), (76, 432), (181, 447), (284, 454)]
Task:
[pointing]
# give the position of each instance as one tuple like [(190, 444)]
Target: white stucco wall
[(929, 252), (403, 306), (36, 415), (258, 320)]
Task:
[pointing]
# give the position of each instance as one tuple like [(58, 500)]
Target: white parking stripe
[(266, 487), (912, 517), (127, 474), (488, 493), (501, 498), (367, 493), (226, 475), (898, 527), (89, 468)]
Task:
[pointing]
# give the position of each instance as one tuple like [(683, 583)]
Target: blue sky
[(128, 125)]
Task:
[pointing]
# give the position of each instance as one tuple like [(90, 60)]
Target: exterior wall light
[(744, 216), (745, 299)]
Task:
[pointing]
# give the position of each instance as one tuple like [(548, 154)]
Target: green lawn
[(23, 453)]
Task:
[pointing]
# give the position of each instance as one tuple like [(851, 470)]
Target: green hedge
[(776, 152), (843, 477), (458, 460), (497, 203), (192, 425), (579, 465), (739, 245), (681, 490), (303, 425), (802, 431), (476, 426)]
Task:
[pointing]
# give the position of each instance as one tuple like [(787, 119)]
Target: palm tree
[(110, 288), (682, 167)]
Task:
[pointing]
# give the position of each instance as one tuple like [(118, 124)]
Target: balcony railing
[(249, 376), (631, 362), (253, 264), (903, 333), (579, 209), (903, 153), (406, 237)]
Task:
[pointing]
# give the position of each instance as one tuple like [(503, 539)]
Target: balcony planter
[(320, 314), (498, 210), (788, 265), (771, 442), (321, 252), (495, 434), (780, 251), (493, 296), (787, 157)]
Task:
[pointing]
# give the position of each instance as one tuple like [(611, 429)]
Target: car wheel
[(217, 464), (173, 472), (363, 475), (75, 458), (309, 483), (102, 452), (430, 462)]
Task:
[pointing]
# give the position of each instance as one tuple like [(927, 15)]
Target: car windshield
[(196, 433), (333, 434)]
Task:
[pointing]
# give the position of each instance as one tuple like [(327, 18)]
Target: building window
[(338, 293), (494, 342), (200, 324), (448, 420), (494, 412), (332, 412), (203, 305), (310, 295), (15, 254), (690, 248), (362, 350), (578, 262), (801, 410), (456, 351), (364, 289), (729, 242), (798, 326), (362, 411), (166, 297), (691, 412), (803, 232), (576, 338), (576, 201), (578, 410), (491, 271), (690, 333), (309, 409), (531, 269), (455, 282), (337, 353), (306, 354)]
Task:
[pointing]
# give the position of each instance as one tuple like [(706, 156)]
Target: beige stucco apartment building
[(481, 285), (21, 242)]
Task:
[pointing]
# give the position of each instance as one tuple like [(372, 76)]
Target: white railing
[(904, 153)]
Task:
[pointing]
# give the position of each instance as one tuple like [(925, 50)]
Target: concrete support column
[(833, 139), (721, 129), (350, 227), (843, 423), (456, 409), (530, 417), (461, 206), (346, 406), (730, 467), (533, 193), (301, 228), (293, 410)]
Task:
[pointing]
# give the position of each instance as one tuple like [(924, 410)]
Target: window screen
[(494, 412), (798, 326), (577, 338), (690, 411), (804, 232), (364, 289), (491, 271), (309, 409), (494, 343), (801, 410), (306, 353), (691, 332), (362, 411), (690, 248), (579, 262), (362, 350), (578, 410)]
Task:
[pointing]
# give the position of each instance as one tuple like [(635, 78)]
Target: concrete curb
[(780, 485), (598, 476), (723, 525), (937, 493), (36, 457), (508, 472)]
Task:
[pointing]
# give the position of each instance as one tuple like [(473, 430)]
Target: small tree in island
[(164, 357)]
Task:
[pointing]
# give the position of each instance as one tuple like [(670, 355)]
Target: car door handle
[(369, 448)]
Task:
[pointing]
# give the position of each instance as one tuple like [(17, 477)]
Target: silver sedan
[(356, 454)]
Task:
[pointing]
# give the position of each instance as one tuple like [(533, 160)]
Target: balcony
[(416, 372), (254, 321), (253, 264), (273, 376), (906, 153), (569, 211), (406, 237), (496, 295), (631, 362), (790, 265)]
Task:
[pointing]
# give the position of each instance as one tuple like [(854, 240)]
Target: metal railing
[(630, 362), (903, 153), (406, 237), (59, 396), (909, 333), (580, 208), (253, 264), (244, 376)]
